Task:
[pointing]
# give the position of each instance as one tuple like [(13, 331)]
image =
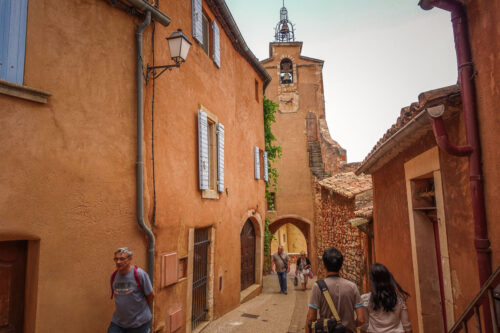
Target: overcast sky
[(379, 56)]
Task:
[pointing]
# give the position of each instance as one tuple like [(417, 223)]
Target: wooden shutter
[(13, 15), (216, 39), (256, 156), (197, 21), (203, 159), (264, 161), (220, 157)]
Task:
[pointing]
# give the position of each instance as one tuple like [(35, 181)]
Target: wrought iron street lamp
[(179, 45)]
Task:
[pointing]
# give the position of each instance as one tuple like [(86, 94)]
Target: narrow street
[(271, 311)]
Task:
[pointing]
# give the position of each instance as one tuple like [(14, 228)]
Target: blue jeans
[(282, 279), (113, 328)]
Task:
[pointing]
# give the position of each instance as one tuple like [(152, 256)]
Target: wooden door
[(312, 127), (247, 238), (12, 277)]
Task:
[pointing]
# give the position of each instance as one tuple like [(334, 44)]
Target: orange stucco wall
[(391, 220), (68, 166), (483, 17)]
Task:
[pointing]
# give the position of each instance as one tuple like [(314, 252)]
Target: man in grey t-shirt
[(281, 261), (133, 294)]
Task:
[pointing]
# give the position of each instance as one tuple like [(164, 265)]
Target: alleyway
[(271, 311)]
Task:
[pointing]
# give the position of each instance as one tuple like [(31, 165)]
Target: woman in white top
[(385, 305)]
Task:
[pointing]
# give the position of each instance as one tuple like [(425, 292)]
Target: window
[(206, 32), (260, 156), (286, 71), (256, 90), (210, 154), (13, 14)]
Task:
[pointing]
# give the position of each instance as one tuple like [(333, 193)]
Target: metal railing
[(200, 272), (486, 300)]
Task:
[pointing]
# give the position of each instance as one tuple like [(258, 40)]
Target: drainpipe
[(435, 116), (140, 163), (466, 80)]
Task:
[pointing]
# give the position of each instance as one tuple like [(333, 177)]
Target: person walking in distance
[(133, 294), (282, 268), (302, 270), (344, 293), (385, 305)]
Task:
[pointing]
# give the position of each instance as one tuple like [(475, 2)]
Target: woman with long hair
[(385, 306)]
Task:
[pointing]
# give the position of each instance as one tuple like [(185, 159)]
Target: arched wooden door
[(247, 238)]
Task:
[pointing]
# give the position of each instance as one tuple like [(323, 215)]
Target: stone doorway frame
[(424, 164)]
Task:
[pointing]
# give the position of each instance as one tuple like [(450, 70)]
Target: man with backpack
[(335, 298), (133, 294)]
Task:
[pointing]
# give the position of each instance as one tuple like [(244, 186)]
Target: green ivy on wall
[(273, 154)]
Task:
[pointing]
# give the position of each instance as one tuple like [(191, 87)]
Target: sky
[(379, 56)]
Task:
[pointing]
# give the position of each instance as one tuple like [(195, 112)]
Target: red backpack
[(136, 280)]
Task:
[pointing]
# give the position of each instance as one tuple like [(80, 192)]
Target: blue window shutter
[(256, 156), (264, 161), (220, 157), (203, 159), (197, 21), (13, 15), (216, 33)]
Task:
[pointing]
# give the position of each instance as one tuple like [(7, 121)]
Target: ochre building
[(309, 153), (94, 144)]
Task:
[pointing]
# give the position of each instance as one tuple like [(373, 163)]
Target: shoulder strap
[(282, 259), (136, 275), (111, 281), (324, 289)]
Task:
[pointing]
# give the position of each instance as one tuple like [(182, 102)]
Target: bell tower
[(284, 31)]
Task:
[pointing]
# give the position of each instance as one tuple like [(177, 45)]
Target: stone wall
[(334, 230)]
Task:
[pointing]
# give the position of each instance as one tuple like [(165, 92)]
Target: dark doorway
[(200, 273), (247, 238), (12, 278)]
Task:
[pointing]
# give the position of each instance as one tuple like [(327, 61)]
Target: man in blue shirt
[(133, 294)]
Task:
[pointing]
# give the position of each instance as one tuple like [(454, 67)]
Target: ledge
[(24, 92)]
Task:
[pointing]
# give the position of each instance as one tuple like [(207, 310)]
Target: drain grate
[(249, 315)]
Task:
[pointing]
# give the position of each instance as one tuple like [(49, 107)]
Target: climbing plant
[(274, 152)]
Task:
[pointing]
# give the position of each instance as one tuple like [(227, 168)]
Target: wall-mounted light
[(179, 45)]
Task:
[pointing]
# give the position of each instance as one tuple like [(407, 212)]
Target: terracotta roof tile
[(348, 184)]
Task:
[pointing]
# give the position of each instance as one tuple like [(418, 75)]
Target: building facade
[(435, 203), (71, 136), (309, 153)]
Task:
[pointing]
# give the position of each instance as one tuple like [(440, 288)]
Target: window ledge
[(24, 92), (210, 194)]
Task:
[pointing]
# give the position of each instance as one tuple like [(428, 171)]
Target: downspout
[(435, 116), (140, 163), (467, 85), (466, 80)]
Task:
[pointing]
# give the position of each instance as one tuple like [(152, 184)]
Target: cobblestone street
[(270, 311)]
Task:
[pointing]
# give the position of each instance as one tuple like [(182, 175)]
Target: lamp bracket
[(154, 74)]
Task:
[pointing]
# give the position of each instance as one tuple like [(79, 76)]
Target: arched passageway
[(305, 227)]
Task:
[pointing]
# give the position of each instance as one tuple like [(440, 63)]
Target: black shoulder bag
[(331, 325)]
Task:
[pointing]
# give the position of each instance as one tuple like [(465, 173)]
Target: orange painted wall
[(391, 220), (68, 166), (484, 33), (295, 184)]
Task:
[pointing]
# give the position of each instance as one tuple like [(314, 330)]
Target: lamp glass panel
[(184, 49), (174, 44)]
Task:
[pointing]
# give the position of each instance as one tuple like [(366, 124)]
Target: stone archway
[(305, 226)]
